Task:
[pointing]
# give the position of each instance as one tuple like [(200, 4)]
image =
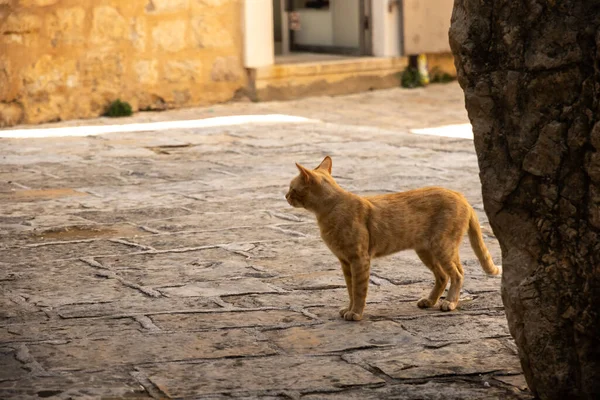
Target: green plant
[(438, 76), (410, 78), (118, 108)]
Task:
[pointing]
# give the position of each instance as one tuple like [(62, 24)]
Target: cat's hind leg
[(348, 277), (441, 279), (455, 270)]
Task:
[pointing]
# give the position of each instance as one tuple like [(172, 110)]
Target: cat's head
[(308, 188)]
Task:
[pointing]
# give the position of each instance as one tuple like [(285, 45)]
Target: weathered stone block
[(108, 25), (210, 32), (10, 114), (212, 3), (170, 36), (147, 71), (36, 3), (166, 5), (66, 26), (49, 74), (139, 34), (8, 86), (40, 108), (21, 22), (21, 28), (183, 71), (228, 69), (101, 69)]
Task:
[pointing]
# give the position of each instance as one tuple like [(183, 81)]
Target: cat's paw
[(448, 305), (425, 303), (352, 316), (343, 311)]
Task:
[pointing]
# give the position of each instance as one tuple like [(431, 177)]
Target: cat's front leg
[(360, 269), (348, 277)]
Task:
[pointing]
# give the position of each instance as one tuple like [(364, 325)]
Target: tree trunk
[(530, 70)]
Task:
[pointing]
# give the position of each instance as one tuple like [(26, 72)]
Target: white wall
[(426, 25), (258, 33), (385, 29)]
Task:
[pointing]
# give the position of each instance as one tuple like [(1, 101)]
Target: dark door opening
[(328, 26)]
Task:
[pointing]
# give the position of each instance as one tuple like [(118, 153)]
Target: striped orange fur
[(432, 221)]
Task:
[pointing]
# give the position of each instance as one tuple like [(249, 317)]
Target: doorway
[(339, 27)]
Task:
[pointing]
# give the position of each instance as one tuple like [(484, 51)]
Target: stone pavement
[(167, 264)]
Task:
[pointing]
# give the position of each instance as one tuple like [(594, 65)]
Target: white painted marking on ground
[(464, 131), (92, 130)]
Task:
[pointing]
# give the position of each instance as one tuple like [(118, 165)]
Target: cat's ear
[(305, 173), (326, 164)]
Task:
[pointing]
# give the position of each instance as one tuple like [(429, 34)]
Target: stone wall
[(70, 58)]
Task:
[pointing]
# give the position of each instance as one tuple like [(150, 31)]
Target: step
[(305, 75), (342, 75)]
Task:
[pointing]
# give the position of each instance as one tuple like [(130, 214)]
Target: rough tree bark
[(530, 70)]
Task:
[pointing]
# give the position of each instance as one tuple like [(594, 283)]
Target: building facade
[(67, 59)]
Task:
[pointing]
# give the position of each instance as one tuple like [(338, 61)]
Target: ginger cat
[(432, 221)]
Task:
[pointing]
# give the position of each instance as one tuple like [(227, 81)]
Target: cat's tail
[(481, 251)]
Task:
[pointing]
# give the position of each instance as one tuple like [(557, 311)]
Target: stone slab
[(117, 383), (446, 327), (138, 305), (217, 237), (300, 374), (475, 357), (128, 348), (337, 336), (135, 215), (311, 281), (298, 298), (66, 282), (214, 220), (158, 270), (220, 288), (447, 390), (12, 369), (63, 251), (56, 329), (239, 319)]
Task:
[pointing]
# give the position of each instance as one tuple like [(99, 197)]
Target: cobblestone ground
[(167, 263)]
